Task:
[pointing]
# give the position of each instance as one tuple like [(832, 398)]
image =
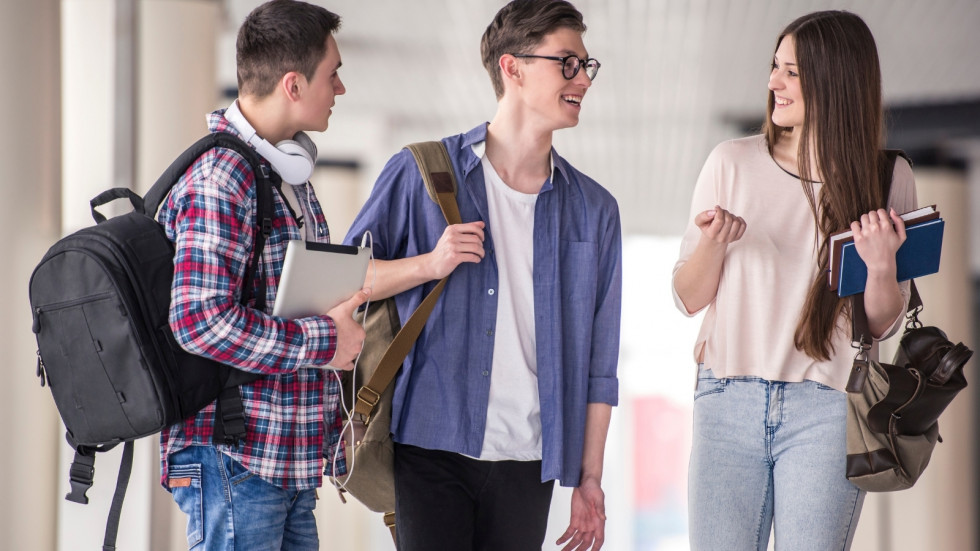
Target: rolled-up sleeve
[(603, 382)]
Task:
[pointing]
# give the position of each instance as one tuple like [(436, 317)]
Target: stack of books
[(918, 255)]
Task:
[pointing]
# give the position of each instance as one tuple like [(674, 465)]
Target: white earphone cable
[(366, 240)]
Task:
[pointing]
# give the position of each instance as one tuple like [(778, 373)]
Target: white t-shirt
[(513, 430)]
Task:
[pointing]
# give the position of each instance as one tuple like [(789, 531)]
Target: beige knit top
[(749, 326)]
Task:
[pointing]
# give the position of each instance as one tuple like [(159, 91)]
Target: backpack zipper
[(41, 372), (36, 327), (40, 369)]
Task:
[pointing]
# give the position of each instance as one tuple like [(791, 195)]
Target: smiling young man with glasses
[(511, 384)]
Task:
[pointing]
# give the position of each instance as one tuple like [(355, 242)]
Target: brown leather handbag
[(893, 409)]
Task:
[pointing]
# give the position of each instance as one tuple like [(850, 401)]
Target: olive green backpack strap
[(437, 173), (440, 181)]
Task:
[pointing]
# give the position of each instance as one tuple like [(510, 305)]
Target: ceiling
[(677, 77)]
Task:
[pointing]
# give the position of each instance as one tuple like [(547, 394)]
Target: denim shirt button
[(485, 373), (490, 292)]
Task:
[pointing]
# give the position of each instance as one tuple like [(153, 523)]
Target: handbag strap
[(861, 331), (440, 182), (861, 337)]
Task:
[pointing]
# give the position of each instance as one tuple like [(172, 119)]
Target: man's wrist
[(591, 477)]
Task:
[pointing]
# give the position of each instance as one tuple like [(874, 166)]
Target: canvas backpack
[(370, 459), (100, 299)]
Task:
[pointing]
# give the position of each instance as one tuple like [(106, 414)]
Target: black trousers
[(447, 501)]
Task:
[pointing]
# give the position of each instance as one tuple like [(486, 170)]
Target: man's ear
[(510, 69), (292, 85)]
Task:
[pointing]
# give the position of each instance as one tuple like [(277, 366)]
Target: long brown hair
[(840, 80)]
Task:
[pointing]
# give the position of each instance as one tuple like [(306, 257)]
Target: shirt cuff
[(604, 390), (319, 341)]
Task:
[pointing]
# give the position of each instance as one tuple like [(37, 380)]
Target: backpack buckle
[(80, 476), (370, 398)]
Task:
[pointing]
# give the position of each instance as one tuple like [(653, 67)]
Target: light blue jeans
[(229, 508), (768, 451)]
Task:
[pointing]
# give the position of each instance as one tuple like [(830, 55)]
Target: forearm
[(596, 429), (883, 301), (248, 339), (387, 278), (696, 282)]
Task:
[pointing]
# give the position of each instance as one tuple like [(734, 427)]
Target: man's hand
[(350, 334), (587, 525), (459, 243)]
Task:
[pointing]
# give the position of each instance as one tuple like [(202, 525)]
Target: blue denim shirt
[(442, 391)]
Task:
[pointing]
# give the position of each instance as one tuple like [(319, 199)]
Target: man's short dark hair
[(519, 27), (278, 37)]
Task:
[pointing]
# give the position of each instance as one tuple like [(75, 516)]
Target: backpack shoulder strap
[(264, 181), (438, 176), (229, 423), (440, 181), (888, 170), (155, 196)]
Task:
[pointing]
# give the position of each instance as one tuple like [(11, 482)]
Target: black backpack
[(100, 299)]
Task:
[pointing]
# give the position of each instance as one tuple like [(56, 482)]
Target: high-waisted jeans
[(766, 452)]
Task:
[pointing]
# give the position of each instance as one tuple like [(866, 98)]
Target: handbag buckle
[(859, 370), (912, 319)]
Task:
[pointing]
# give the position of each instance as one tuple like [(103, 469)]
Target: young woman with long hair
[(774, 353)]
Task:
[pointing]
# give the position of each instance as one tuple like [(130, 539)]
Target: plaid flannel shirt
[(210, 216)]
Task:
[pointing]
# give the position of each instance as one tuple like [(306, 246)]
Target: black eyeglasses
[(570, 64)]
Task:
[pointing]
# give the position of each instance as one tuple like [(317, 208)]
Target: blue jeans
[(768, 451), (228, 507)]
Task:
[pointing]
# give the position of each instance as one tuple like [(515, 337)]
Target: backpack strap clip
[(229, 418), (80, 475)]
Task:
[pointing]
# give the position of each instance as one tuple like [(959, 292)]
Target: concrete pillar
[(178, 79), (139, 77), (98, 95), (30, 150), (177, 83)]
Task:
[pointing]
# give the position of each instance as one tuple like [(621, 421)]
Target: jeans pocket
[(708, 384), (235, 472), (184, 482)]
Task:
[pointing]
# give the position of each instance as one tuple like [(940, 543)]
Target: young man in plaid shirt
[(258, 494)]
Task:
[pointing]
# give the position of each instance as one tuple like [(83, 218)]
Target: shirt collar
[(478, 135), (480, 150), (218, 123)]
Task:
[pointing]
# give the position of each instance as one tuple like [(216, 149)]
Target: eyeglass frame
[(563, 60)]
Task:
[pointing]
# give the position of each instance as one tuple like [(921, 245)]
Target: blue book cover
[(918, 256)]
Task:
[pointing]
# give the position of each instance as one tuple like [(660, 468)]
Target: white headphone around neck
[(292, 159)]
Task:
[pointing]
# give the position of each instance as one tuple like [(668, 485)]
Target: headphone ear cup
[(307, 144), (300, 158)]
